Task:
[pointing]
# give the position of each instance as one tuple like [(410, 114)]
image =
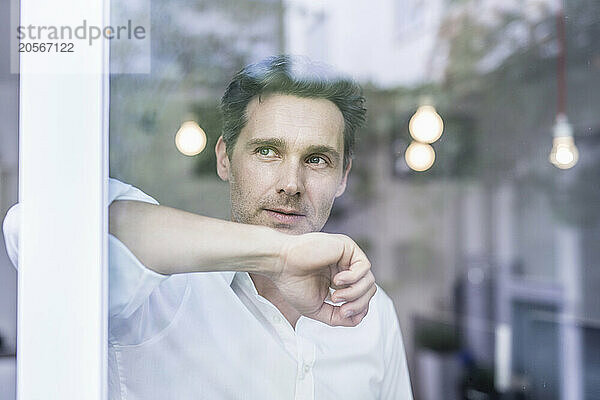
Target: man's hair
[(293, 75)]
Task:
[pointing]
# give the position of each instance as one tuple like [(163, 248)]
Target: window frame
[(62, 317)]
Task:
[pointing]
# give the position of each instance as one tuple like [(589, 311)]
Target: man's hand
[(313, 262), (302, 267)]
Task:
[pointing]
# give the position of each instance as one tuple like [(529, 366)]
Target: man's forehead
[(289, 118)]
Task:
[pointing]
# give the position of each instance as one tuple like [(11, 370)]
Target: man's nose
[(291, 181)]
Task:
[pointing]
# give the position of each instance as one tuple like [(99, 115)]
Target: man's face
[(286, 168)]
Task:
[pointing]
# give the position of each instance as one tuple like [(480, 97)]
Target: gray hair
[(296, 76)]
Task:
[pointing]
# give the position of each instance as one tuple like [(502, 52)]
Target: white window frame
[(62, 323)]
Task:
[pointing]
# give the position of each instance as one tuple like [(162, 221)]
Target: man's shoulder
[(383, 306), (382, 300)]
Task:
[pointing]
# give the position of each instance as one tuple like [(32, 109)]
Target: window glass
[(487, 248)]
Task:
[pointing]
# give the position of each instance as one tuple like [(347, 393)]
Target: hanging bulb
[(564, 154), (190, 139), (426, 125), (419, 156)]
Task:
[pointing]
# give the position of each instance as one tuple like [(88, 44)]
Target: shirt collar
[(228, 276), (244, 281)]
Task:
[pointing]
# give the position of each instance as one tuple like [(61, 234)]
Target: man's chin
[(290, 230), (287, 228)]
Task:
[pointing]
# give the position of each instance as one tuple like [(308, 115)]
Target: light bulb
[(190, 139), (426, 125), (419, 156), (564, 153)]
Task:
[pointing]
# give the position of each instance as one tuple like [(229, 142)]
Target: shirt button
[(276, 319), (306, 368)]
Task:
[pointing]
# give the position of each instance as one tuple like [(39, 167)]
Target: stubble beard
[(246, 213)]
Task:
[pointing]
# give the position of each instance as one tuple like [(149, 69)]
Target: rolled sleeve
[(10, 228), (130, 282)]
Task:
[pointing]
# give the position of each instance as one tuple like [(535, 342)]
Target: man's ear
[(342, 185), (222, 159)]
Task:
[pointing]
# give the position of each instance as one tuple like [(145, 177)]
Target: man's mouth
[(288, 216)]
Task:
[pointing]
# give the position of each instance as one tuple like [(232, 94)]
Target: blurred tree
[(498, 99), (196, 47)]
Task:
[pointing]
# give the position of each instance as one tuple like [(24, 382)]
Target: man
[(202, 308)]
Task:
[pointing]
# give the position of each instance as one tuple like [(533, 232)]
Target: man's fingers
[(359, 305), (348, 314), (332, 315), (355, 290), (333, 271), (356, 272), (359, 317)]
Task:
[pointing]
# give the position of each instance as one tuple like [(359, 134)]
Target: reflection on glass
[(426, 125), (419, 156), (451, 245), (190, 139), (564, 154)]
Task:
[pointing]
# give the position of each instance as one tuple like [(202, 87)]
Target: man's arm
[(171, 241)]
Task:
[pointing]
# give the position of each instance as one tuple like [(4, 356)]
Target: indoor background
[(489, 254)]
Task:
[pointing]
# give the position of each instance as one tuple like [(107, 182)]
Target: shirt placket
[(283, 328), (294, 342), (297, 345), (305, 384)]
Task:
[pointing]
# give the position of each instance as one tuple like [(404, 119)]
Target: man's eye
[(266, 151), (317, 160)]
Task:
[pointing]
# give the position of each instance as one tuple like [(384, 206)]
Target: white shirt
[(212, 336)]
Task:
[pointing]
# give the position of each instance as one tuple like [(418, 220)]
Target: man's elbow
[(117, 215)]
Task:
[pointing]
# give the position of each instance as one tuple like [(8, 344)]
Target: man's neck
[(266, 288)]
